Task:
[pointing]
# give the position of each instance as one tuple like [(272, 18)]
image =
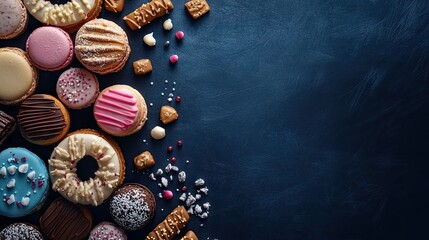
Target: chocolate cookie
[(64, 220), (7, 126), (132, 206)]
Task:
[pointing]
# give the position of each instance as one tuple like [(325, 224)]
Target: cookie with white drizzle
[(24, 182), (63, 172)]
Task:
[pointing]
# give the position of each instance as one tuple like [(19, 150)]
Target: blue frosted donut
[(24, 182)]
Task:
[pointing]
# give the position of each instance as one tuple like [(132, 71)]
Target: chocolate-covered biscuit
[(64, 220), (148, 12), (197, 8), (171, 225), (7, 126)]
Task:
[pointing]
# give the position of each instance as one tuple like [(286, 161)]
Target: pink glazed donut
[(50, 48)]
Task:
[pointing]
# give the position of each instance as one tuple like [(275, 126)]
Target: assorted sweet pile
[(102, 47)]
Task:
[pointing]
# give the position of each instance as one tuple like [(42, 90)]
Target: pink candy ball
[(180, 35), (174, 58), (167, 194)]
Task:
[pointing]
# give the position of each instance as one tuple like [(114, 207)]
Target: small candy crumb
[(151, 104), (180, 35), (167, 194), (174, 58)]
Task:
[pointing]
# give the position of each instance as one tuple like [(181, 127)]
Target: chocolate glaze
[(64, 221), (39, 118), (7, 126)]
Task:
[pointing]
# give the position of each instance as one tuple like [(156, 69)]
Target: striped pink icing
[(116, 110)]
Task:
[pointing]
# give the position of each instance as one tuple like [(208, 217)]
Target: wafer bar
[(171, 225), (197, 8), (148, 12), (190, 235), (7, 126)]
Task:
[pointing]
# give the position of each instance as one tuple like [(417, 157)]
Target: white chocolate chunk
[(23, 168), (11, 199), (3, 171), (168, 25), (149, 39), (25, 201), (11, 183), (11, 169), (157, 132)]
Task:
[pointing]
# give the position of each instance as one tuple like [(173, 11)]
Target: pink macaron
[(50, 48), (77, 88)]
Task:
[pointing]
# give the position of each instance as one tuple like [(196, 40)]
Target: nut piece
[(157, 133), (142, 67), (168, 114), (144, 160), (149, 39)]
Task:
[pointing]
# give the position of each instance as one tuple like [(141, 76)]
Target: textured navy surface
[(308, 119)]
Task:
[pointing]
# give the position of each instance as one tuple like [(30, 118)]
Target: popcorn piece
[(207, 205), (199, 182), (190, 200), (182, 176), (182, 197), (159, 172), (164, 182)]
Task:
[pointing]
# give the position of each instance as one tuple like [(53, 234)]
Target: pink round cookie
[(77, 88), (107, 231), (50, 48)]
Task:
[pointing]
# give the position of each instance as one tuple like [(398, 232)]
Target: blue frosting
[(28, 185)]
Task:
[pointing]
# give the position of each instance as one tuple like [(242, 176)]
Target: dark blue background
[(307, 118)]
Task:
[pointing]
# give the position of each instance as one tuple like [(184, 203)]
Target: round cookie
[(69, 16), (107, 231), (50, 48), (22, 231), (77, 88), (24, 182), (102, 46), (120, 110), (18, 78), (132, 206), (13, 18), (43, 119), (65, 157), (64, 220)]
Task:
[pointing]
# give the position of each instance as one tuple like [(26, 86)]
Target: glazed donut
[(63, 161), (69, 16)]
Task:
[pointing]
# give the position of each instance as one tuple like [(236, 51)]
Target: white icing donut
[(62, 168), (66, 14)]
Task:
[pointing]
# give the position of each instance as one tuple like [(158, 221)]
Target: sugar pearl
[(180, 35), (174, 58)]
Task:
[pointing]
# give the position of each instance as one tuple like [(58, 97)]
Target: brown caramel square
[(142, 66), (197, 8)]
